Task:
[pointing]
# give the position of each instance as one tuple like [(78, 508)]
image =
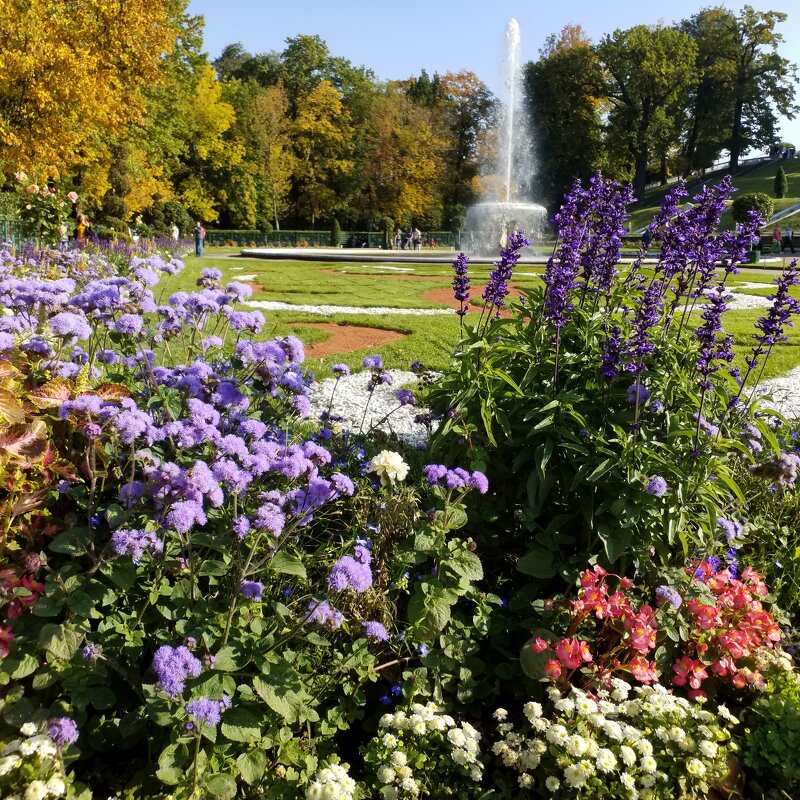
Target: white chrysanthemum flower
[(448, 720), (647, 794), (593, 748), (694, 766), (677, 734), (585, 705), (529, 759), (404, 772), (419, 727), (552, 783), (645, 747), (386, 721), (456, 737), (708, 749), (389, 467), (577, 745), (459, 756), (605, 760), (553, 693), (386, 774), (7, 763), (662, 734), (564, 705), (628, 755), (647, 780), (532, 710), (10, 747), (56, 786), (390, 793), (575, 776), (437, 724), (410, 785), (399, 720), (37, 790), (398, 759), (28, 729), (628, 782), (525, 780), (28, 747), (540, 725), (724, 712), (620, 689), (648, 764), (687, 745), (631, 708), (500, 714), (538, 746), (557, 734), (613, 730)]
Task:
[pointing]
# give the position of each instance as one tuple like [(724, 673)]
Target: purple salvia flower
[(645, 318), (779, 314), (496, 290), (713, 350), (611, 355), (461, 283)]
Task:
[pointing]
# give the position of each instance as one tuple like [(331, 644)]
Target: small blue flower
[(423, 650), (385, 699), (397, 689)]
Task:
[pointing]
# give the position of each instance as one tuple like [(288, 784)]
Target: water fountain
[(488, 223)]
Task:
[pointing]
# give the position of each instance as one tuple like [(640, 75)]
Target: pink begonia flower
[(572, 653), (72, 197), (552, 668), (32, 189), (21, 176)]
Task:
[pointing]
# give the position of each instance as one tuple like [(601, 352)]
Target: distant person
[(787, 240), (416, 238), (777, 240), (409, 239), (82, 231), (647, 238), (199, 236), (398, 239), (176, 232)]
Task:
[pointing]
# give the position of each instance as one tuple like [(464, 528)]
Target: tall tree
[(322, 134), (763, 81), (563, 89), (647, 70), (71, 71)]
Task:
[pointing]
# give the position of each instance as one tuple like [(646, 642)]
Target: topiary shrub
[(781, 183), (116, 224), (753, 201), (336, 233)]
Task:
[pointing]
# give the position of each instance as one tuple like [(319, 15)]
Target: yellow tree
[(405, 166), (322, 134), (269, 125), (73, 70)]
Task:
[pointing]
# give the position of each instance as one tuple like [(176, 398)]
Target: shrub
[(759, 202), (781, 186), (336, 233)]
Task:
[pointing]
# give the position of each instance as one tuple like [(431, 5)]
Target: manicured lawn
[(429, 339)]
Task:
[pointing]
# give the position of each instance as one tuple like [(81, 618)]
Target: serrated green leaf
[(241, 725), (287, 564)]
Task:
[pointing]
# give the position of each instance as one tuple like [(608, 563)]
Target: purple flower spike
[(497, 289), (461, 283)]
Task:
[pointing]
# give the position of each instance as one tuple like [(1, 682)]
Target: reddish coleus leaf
[(26, 443), (11, 410), (51, 394), (111, 391)]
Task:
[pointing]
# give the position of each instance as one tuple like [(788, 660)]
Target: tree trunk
[(736, 137), (663, 175), (640, 175)]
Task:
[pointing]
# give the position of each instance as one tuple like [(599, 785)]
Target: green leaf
[(241, 725), (616, 542), (222, 785), (456, 518), (230, 659), (212, 567), (601, 469), (60, 640), (252, 766), (72, 542), (538, 563), (20, 666), (287, 564), (172, 776), (278, 702), (429, 609), (464, 562)]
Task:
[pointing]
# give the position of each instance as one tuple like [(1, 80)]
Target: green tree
[(563, 89), (763, 82), (647, 70), (781, 183), (743, 204)]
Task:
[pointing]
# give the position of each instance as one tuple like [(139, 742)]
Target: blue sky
[(399, 39)]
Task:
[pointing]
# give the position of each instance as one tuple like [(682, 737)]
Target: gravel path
[(350, 399), (330, 311), (784, 393)]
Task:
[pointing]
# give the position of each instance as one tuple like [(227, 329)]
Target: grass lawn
[(429, 339)]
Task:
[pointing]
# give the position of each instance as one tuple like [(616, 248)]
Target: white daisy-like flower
[(525, 780), (557, 734), (695, 767), (606, 761), (37, 790), (386, 721), (628, 755), (648, 764), (532, 711), (386, 774), (56, 786), (564, 705), (389, 467), (7, 763), (456, 737), (628, 781), (724, 712), (390, 740), (398, 759), (500, 714), (404, 772), (613, 730), (645, 747), (410, 785), (475, 772), (577, 745), (28, 729), (575, 776), (552, 783), (391, 793)]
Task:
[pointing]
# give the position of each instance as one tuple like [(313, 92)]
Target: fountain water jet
[(488, 224)]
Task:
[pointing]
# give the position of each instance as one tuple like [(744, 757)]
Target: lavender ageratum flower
[(348, 573), (135, 543), (731, 528), (340, 370), (90, 653), (638, 394), (63, 731), (656, 486), (173, 665), (6, 341), (324, 614), (207, 711), (372, 362), (479, 481), (252, 590), (375, 630), (241, 527), (461, 283), (342, 484), (185, 514), (406, 397), (434, 473), (130, 324), (68, 324), (666, 594), (497, 289), (782, 470)]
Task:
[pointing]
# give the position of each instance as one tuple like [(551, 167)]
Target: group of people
[(782, 240), (412, 239)]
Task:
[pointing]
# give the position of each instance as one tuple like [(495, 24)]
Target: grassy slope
[(428, 339)]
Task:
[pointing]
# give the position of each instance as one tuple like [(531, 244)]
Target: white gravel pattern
[(783, 393), (350, 399), (330, 311)]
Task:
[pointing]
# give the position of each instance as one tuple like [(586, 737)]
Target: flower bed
[(210, 591)]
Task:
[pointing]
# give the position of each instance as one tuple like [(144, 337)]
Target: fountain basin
[(487, 225)]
